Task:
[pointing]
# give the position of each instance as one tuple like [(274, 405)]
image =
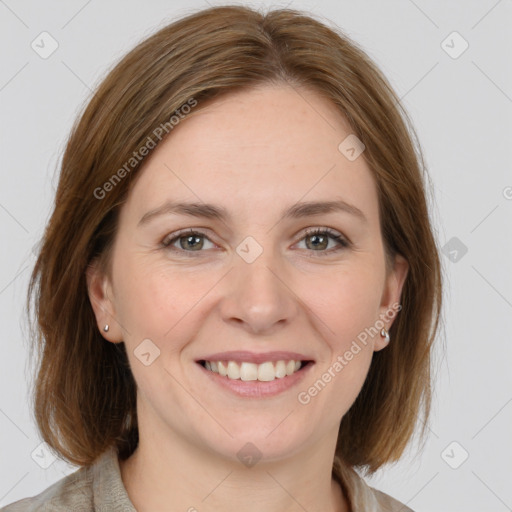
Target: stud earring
[(105, 328), (385, 334)]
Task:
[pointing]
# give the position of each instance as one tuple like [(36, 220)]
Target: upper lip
[(253, 357)]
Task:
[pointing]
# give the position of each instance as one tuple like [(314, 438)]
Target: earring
[(385, 334), (105, 328)]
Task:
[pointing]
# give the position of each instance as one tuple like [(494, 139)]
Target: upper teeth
[(251, 371)]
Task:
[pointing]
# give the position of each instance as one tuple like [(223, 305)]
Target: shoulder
[(388, 504), (92, 488), (362, 497), (73, 492)]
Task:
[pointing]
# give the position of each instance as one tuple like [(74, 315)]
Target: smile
[(247, 371), (254, 387)]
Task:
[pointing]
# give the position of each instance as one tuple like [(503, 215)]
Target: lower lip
[(256, 388)]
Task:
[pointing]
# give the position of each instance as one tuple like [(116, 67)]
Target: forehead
[(259, 149)]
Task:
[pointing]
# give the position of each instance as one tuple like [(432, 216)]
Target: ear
[(391, 296), (100, 293)]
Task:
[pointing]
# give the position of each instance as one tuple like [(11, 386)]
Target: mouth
[(265, 371)]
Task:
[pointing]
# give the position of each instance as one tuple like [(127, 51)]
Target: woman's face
[(256, 286)]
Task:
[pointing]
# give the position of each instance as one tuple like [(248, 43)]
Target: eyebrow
[(210, 211)]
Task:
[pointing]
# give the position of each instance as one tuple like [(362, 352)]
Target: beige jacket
[(99, 488)]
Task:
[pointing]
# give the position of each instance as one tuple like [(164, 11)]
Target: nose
[(258, 297)]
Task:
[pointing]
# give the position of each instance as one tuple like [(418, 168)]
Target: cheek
[(347, 304), (156, 304), (347, 308), (152, 301), (343, 309)]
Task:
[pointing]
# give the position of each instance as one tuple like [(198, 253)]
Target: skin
[(254, 153)]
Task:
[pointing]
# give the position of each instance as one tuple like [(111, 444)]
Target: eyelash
[(343, 243)]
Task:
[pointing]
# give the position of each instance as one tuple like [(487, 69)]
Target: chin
[(261, 441)]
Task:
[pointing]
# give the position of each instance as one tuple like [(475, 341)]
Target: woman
[(239, 288)]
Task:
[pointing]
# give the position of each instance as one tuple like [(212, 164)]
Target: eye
[(188, 241), (318, 240)]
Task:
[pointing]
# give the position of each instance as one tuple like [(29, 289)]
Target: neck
[(171, 474)]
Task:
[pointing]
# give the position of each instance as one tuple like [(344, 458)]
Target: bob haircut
[(84, 397)]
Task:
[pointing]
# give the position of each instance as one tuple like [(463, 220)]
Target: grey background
[(461, 108)]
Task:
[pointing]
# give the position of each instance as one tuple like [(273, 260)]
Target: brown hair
[(85, 394)]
